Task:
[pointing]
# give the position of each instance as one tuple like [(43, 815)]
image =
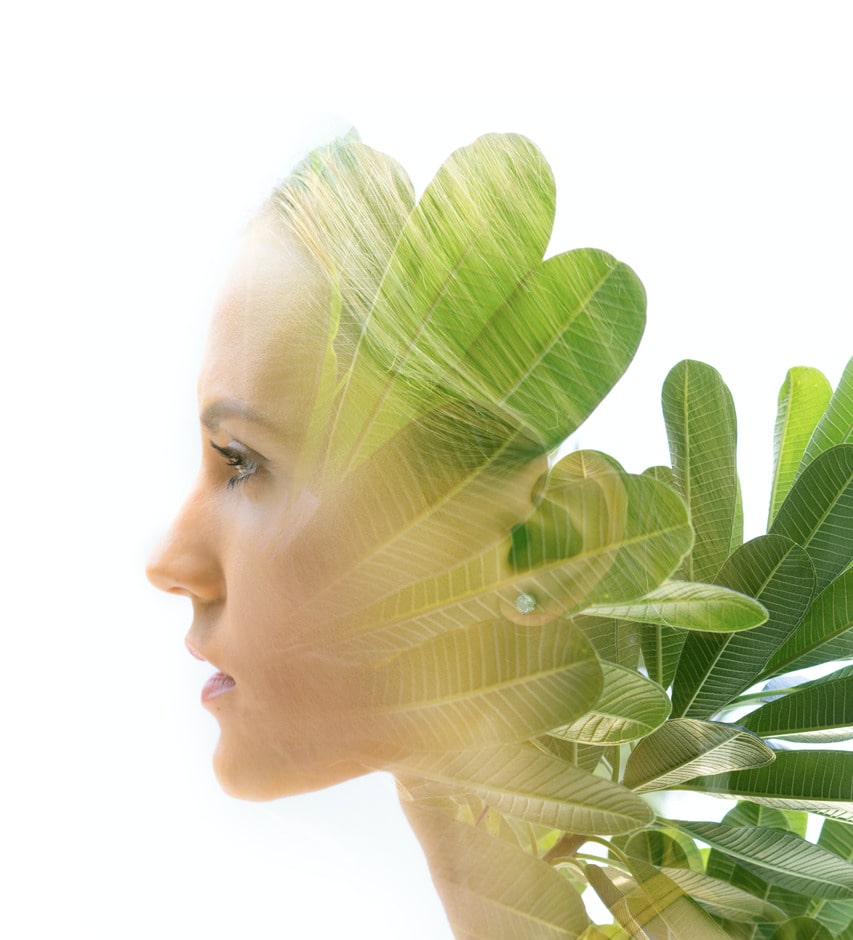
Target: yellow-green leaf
[(690, 606), (802, 400), (629, 707)]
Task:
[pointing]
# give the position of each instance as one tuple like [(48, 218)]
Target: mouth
[(218, 684)]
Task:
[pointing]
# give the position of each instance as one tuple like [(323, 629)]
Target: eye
[(245, 463)]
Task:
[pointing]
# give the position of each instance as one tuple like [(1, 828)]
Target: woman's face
[(254, 547)]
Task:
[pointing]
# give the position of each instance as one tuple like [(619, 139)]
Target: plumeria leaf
[(499, 194), (820, 710), (702, 431), (751, 814), (836, 424), (492, 682), (647, 903), (723, 899), (802, 401), (835, 837), (715, 668), (824, 634), (617, 641), (663, 848), (661, 648), (492, 889), (584, 756), (818, 512), (801, 928), (534, 786), (685, 748), (605, 535), (815, 781), (690, 606), (629, 707), (781, 858)]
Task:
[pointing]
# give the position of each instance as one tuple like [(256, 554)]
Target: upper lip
[(197, 655), (194, 652)]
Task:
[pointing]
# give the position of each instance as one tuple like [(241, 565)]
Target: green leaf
[(629, 707), (825, 632), (598, 534), (617, 641), (721, 898), (524, 782), (802, 400), (751, 814), (685, 748), (491, 889), (836, 425), (818, 513), (663, 848), (584, 756), (690, 606), (650, 904), (714, 669), (661, 648), (781, 858), (835, 837), (815, 712), (702, 431), (726, 869), (492, 682), (577, 314), (499, 194), (815, 781), (801, 928), (619, 532)]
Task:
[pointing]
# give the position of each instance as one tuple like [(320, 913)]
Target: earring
[(525, 603)]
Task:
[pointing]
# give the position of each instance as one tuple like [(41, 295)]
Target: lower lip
[(217, 685)]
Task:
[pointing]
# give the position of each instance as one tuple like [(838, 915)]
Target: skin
[(270, 566)]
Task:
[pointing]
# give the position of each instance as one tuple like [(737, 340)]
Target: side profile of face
[(251, 546)]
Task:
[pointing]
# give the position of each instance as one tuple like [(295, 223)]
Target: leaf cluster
[(538, 692), (664, 654)]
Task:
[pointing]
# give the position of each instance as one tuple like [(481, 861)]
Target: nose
[(186, 560)]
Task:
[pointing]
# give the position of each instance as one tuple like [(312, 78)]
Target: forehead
[(268, 330)]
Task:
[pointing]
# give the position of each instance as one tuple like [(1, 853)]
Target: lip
[(218, 684)]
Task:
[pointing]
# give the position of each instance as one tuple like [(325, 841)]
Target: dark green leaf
[(816, 781), (816, 712), (781, 858), (714, 669), (818, 513), (801, 928), (825, 632)]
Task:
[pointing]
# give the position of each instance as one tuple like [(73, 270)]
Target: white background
[(707, 145)]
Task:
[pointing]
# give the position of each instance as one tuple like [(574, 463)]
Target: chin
[(249, 775)]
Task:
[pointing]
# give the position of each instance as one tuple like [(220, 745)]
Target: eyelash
[(245, 465)]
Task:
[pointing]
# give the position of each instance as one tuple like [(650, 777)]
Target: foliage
[(538, 692), (697, 689)]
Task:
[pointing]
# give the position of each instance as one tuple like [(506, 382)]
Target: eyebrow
[(222, 408)]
